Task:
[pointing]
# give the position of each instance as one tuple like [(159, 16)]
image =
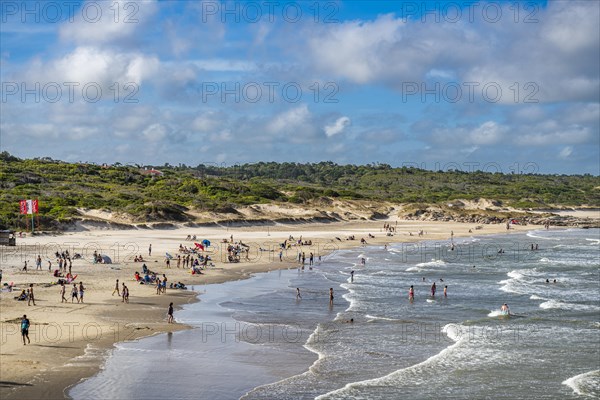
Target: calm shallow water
[(254, 340)]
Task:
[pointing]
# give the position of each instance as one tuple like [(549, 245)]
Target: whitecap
[(432, 263), (496, 313), (373, 317), (586, 384), (536, 297), (453, 331), (555, 304)]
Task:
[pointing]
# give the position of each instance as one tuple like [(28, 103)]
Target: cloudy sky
[(498, 86)]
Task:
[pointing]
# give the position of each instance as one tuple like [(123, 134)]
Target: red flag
[(28, 206)]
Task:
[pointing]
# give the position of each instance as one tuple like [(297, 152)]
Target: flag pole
[(32, 223)]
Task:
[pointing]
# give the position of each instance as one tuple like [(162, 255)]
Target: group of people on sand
[(389, 228), (123, 292), (235, 251), (76, 293), (27, 294)]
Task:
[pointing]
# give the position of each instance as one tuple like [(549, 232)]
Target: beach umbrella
[(106, 259), (199, 246), (206, 242)]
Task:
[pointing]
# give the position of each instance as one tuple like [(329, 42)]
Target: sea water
[(254, 340)]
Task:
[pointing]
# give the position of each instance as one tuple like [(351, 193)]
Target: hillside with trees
[(180, 193)]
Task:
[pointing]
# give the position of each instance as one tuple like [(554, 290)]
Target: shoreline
[(137, 320)]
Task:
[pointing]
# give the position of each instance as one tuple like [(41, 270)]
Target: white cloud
[(353, 49), (559, 54), (155, 132), (290, 121), (565, 152), (569, 24), (487, 133), (553, 133), (87, 65), (223, 65), (208, 122), (337, 127), (108, 22)]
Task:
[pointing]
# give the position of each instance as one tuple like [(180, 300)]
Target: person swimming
[(504, 309)]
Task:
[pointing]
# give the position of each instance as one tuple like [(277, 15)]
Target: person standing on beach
[(81, 290), (311, 259), (330, 296), (158, 286), (178, 261), (280, 255), (116, 289), (123, 293), (0, 276), (298, 296), (31, 298), (25, 329), (25, 266), (164, 284), (411, 293), (74, 293), (150, 250), (126, 294), (170, 314), (38, 263), (63, 291)]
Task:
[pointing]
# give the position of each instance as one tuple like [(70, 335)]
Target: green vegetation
[(63, 187)]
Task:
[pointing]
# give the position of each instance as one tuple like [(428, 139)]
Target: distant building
[(152, 172)]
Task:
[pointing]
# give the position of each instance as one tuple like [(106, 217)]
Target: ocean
[(254, 339)]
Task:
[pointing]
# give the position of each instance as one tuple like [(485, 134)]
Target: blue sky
[(490, 85)]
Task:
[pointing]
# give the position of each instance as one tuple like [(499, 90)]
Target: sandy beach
[(69, 340)]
